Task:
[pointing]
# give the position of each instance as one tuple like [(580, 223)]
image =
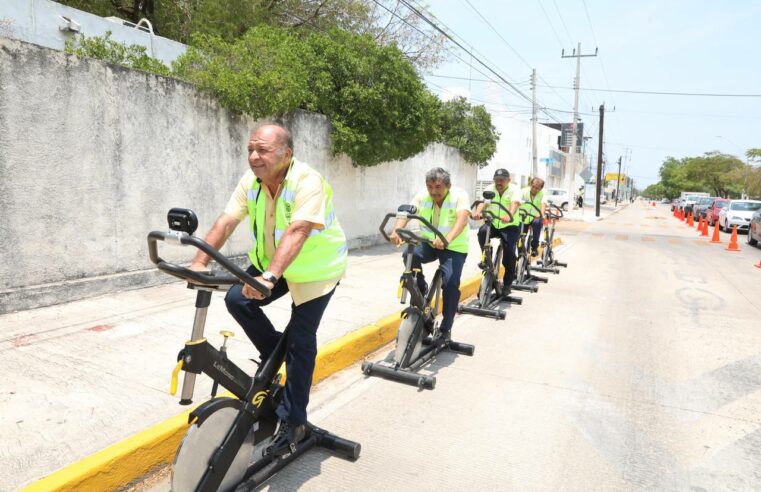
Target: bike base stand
[(492, 308), (526, 287), (408, 375), (546, 269), (263, 469)]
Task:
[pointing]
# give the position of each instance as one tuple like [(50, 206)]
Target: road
[(637, 368)]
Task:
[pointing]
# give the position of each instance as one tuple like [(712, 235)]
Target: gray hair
[(438, 174)]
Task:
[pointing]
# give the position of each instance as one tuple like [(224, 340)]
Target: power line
[(508, 44), (550, 23), (394, 14), (657, 93), (448, 36), (562, 22)]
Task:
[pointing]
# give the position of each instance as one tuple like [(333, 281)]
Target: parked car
[(738, 213), (702, 206), (688, 203), (665, 200), (713, 212), (754, 229), (557, 197)]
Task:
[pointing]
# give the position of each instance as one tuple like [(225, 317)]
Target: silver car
[(738, 213)]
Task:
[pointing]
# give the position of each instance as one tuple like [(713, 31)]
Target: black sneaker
[(446, 335), (285, 439)]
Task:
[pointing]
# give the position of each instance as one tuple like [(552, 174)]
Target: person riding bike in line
[(507, 231), (447, 209), (298, 247), (535, 195)]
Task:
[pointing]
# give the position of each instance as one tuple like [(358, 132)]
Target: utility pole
[(534, 165), (598, 185), (571, 164), (618, 179)]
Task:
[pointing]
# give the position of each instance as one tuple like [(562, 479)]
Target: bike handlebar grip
[(382, 227), (184, 273)]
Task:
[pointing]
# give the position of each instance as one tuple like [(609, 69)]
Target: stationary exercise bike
[(523, 277), (548, 262), (228, 444), (491, 290), (419, 338)]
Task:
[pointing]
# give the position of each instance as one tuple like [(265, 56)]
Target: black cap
[(501, 173)]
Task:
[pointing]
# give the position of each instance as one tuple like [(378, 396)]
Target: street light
[(747, 166)]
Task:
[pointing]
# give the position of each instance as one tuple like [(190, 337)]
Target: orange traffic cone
[(733, 240), (705, 228), (700, 225), (758, 265), (716, 238), (690, 221)]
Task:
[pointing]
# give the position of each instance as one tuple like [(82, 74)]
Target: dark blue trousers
[(302, 341), (451, 263), (508, 236), (536, 233)]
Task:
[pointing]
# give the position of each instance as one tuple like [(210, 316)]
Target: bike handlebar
[(550, 214), (489, 213), (406, 234), (211, 279)]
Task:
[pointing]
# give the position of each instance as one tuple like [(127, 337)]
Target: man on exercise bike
[(507, 231), (535, 194), (299, 247), (446, 208)]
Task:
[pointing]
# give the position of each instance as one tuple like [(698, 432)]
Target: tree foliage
[(104, 48), (386, 21), (469, 129), (713, 172), (378, 106)]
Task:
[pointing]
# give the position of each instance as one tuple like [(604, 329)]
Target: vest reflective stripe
[(506, 200), (447, 219), (324, 253)]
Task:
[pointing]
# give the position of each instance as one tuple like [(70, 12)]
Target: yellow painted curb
[(136, 456)]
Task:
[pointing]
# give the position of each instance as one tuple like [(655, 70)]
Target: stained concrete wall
[(93, 155)]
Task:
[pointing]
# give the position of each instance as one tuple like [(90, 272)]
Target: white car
[(738, 213), (557, 197)]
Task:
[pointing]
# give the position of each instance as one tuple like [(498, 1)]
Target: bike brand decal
[(221, 369), (259, 398)]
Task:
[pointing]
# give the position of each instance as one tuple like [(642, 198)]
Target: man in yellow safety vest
[(446, 208), (298, 247)]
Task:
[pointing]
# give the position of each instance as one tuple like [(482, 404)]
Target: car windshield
[(745, 206), (720, 204)]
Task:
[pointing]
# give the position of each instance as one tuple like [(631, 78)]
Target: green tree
[(104, 48), (378, 106), (386, 21), (469, 129), (266, 72)]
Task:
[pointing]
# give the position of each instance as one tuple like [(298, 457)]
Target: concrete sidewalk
[(81, 376)]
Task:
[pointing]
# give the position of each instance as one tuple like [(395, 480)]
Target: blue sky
[(671, 46)]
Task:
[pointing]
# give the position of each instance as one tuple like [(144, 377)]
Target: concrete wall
[(39, 22), (92, 156)]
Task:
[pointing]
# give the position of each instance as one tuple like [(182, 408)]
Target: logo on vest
[(288, 210)]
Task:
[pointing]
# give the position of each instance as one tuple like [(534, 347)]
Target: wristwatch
[(269, 277)]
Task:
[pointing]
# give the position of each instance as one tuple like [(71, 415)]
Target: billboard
[(566, 135)]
